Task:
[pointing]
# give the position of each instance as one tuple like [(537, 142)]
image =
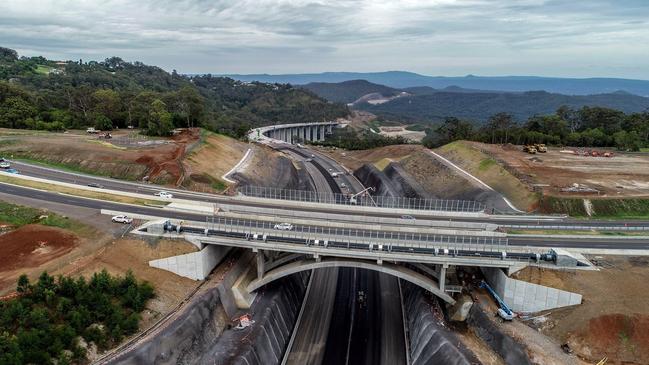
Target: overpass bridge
[(422, 259), (292, 133)]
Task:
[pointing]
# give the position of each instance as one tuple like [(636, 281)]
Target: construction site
[(612, 322)]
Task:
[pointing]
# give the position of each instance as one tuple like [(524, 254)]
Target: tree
[(452, 129), (189, 105), (103, 123), (14, 111), (107, 102), (499, 126), (23, 284), (627, 141), (160, 121)]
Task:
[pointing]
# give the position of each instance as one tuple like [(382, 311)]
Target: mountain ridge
[(405, 79)]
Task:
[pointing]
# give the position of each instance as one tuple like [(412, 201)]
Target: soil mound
[(32, 245), (621, 338)]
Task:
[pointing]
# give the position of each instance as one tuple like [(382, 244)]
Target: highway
[(141, 188), (601, 242), (334, 317)]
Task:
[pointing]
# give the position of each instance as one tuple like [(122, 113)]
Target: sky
[(569, 38)]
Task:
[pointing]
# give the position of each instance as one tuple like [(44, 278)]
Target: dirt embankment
[(437, 178), (206, 164), (469, 156), (355, 159), (270, 168), (613, 320), (125, 156)]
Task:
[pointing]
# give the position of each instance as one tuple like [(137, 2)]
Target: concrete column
[(285, 135), (260, 264), (442, 276), (323, 131)]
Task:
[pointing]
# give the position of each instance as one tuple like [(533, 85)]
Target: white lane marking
[(237, 166)]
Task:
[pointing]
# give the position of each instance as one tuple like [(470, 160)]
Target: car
[(284, 226), (308, 160), (122, 219), (409, 217), (164, 194), (12, 171), (5, 165), (95, 185), (343, 185)]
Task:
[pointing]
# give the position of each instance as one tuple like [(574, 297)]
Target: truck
[(529, 149), (540, 147), (92, 130)]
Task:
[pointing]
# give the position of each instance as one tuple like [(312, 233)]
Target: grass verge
[(70, 167), (603, 208), (18, 215)]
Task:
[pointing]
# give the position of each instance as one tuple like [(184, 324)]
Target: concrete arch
[(387, 268)]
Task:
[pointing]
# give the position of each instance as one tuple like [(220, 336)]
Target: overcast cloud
[(578, 38)]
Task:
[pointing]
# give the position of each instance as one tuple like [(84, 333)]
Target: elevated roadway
[(512, 221), (601, 242)]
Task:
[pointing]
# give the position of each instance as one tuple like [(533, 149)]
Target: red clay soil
[(170, 163), (33, 245), (624, 339)]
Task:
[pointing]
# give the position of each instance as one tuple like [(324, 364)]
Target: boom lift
[(353, 200), (503, 311)]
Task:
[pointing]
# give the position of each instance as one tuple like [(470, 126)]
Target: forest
[(36, 93), (50, 319), (585, 127)]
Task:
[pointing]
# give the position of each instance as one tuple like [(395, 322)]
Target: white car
[(5, 165), (164, 194), (284, 226), (122, 219)]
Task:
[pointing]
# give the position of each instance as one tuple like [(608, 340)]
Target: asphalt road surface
[(113, 184), (610, 242), (313, 328)]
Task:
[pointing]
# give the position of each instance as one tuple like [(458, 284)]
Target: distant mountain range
[(421, 104), (401, 80), (349, 91)]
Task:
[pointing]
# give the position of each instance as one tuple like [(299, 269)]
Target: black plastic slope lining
[(511, 351), (173, 344), (430, 343), (265, 342)]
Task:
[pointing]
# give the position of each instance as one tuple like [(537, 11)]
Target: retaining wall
[(522, 296)]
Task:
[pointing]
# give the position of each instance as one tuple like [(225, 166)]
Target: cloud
[(550, 37)]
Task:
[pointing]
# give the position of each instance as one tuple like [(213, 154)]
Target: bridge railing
[(350, 236), (367, 200)]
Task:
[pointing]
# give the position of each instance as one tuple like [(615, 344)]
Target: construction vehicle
[(353, 199), (540, 147), (503, 311), (529, 149)]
